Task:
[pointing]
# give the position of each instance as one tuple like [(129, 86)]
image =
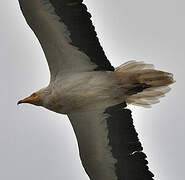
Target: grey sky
[(36, 144)]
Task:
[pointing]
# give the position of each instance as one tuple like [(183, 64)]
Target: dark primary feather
[(82, 32), (126, 147)]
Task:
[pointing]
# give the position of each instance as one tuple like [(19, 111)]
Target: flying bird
[(94, 95)]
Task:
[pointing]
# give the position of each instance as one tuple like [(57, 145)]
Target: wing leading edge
[(109, 145)]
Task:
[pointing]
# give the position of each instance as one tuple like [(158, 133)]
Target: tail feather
[(146, 85), (155, 78), (131, 66)]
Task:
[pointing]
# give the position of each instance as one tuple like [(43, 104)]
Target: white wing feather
[(54, 38)]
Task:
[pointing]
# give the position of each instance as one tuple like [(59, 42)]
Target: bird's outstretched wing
[(66, 34), (109, 145)]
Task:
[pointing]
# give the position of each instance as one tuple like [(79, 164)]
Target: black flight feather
[(126, 148), (74, 15)]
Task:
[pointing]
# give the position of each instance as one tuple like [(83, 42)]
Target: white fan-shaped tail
[(146, 85)]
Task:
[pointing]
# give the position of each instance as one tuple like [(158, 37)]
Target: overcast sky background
[(36, 144)]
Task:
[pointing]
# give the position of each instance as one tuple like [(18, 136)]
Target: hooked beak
[(26, 100), (33, 99), (20, 102)]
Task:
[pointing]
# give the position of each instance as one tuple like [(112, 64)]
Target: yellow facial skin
[(33, 99)]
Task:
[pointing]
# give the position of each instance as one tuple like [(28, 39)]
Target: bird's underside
[(86, 87)]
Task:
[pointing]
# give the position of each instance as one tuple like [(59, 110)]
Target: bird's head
[(32, 99)]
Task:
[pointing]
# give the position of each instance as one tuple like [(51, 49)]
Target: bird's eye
[(34, 94)]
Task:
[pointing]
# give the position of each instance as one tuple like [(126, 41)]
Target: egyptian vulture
[(93, 94)]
